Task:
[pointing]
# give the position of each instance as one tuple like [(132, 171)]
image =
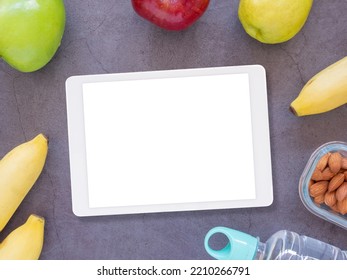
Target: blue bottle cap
[(241, 246)]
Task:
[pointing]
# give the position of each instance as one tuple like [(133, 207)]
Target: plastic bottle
[(283, 245)]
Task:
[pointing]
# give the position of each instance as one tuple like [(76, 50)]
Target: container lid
[(241, 246)]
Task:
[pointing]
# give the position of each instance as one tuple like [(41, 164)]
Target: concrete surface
[(108, 37)]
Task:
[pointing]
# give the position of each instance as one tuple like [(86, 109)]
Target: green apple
[(273, 21), (30, 32)]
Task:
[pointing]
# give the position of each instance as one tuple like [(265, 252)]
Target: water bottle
[(283, 245)]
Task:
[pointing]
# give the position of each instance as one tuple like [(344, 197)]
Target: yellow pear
[(273, 21)]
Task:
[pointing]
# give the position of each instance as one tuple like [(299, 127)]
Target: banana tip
[(44, 136), (37, 218), (291, 109)]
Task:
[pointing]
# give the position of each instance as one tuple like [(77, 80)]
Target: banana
[(19, 170), (327, 90), (25, 242)]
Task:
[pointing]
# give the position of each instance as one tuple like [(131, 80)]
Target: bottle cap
[(241, 246)]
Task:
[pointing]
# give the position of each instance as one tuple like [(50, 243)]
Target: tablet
[(176, 140)]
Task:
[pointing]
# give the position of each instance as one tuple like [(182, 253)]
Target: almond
[(341, 192), (318, 188), (336, 181), (345, 175), (319, 199), (330, 198), (317, 175), (327, 174), (310, 183), (344, 163), (342, 206), (335, 162), (335, 208), (322, 163)]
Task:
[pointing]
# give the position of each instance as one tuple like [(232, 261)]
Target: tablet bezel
[(260, 130)]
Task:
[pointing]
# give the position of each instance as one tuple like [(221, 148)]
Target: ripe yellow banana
[(327, 90), (19, 170), (25, 242)]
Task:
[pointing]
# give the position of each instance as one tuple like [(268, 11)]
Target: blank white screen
[(170, 140)]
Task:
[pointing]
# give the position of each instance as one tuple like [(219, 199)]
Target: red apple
[(171, 14)]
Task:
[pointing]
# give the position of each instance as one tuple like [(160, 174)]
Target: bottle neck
[(259, 255)]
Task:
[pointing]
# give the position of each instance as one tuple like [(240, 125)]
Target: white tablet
[(173, 140)]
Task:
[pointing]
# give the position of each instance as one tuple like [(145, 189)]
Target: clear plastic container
[(282, 245), (321, 210)]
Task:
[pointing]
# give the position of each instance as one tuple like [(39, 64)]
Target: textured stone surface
[(108, 37)]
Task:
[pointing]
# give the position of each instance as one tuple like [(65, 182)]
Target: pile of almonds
[(328, 183)]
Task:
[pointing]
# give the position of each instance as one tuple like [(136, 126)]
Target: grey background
[(108, 37)]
